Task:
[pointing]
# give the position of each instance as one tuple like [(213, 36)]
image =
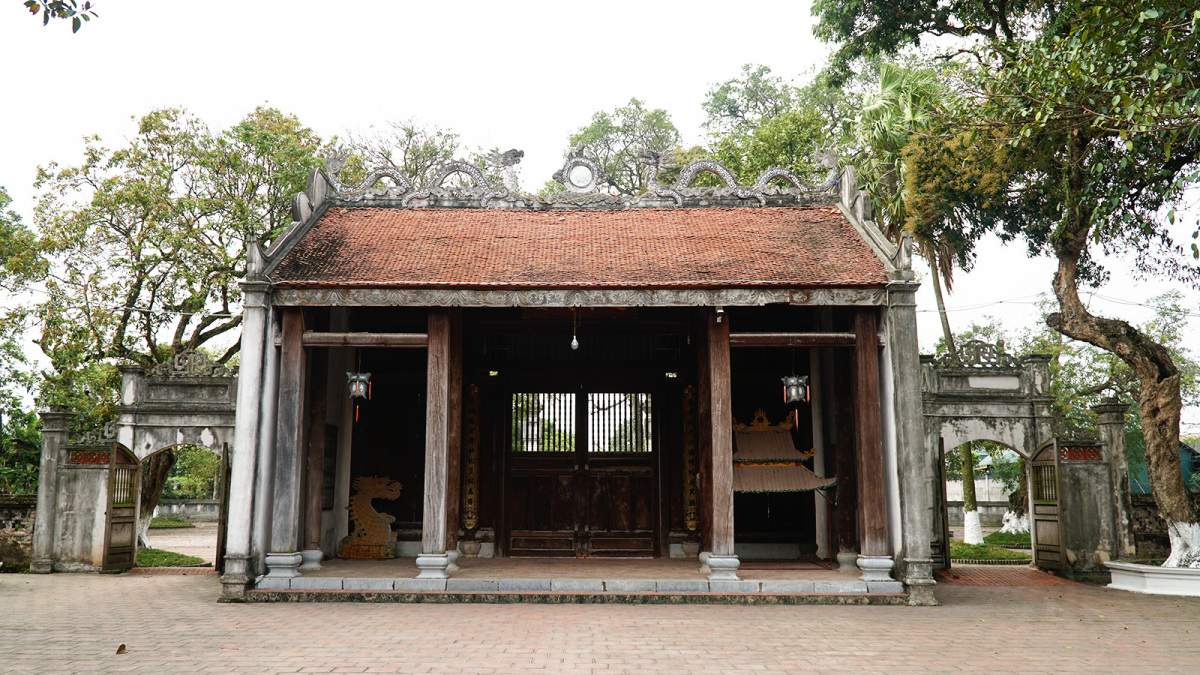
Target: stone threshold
[(579, 598), (584, 586)]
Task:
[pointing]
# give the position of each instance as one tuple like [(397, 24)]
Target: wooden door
[(120, 531), (223, 508), (581, 475), (1045, 526), (941, 539)]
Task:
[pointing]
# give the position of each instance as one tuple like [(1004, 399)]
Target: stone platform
[(570, 580)]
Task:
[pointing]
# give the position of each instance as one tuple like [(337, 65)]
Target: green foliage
[(741, 105), (20, 450), (1009, 539), (787, 140), (62, 9), (154, 557), (194, 474), (412, 148), (140, 250), (616, 138), (169, 522), (963, 551)]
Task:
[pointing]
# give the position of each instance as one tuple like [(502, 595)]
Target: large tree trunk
[(1159, 402), (1016, 517), (972, 531), (951, 348), (154, 478)]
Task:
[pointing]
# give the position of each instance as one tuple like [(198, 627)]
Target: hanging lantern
[(795, 389), (359, 384)]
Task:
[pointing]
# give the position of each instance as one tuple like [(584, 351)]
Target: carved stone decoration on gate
[(470, 488), (103, 435), (826, 157), (978, 354), (691, 452), (372, 536), (191, 363)]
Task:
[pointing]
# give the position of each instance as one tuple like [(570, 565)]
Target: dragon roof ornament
[(585, 184)]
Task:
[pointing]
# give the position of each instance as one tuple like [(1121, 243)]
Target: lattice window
[(620, 423)]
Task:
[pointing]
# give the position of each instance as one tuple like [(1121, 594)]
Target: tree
[(1087, 117), (410, 147), (140, 250), (62, 9), (615, 138), (741, 105)]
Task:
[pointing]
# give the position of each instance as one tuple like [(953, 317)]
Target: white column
[(264, 488), (236, 577)]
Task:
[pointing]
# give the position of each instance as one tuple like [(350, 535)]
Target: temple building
[(718, 374)]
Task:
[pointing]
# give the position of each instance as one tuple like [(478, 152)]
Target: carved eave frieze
[(617, 297)]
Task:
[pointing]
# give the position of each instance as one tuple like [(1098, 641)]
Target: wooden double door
[(581, 474)]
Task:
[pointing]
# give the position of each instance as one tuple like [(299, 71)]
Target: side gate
[(1045, 524), (120, 530)]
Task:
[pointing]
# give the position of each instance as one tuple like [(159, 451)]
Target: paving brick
[(68, 623)]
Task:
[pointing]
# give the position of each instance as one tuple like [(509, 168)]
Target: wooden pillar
[(315, 474), (283, 558), (721, 457), (704, 425), (454, 417), (433, 561), (872, 512), (847, 474)]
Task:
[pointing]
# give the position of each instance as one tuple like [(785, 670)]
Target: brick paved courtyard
[(172, 624)]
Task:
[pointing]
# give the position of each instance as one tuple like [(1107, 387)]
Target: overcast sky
[(501, 74)]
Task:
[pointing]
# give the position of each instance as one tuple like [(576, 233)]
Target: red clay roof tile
[(639, 248)]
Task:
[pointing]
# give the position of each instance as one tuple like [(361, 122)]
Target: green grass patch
[(154, 557), (1017, 539), (962, 551), (169, 521)]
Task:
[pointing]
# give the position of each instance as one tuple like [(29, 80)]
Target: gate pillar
[(1110, 418), (55, 424)]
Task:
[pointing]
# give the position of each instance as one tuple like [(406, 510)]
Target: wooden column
[(872, 512), (704, 427), (315, 475), (454, 417), (437, 431), (720, 457), (285, 511), (847, 473)]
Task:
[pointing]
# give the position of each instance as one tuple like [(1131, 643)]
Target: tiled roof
[(637, 248)]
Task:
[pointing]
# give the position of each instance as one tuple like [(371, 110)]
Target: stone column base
[(433, 566), (41, 567), (876, 567), (311, 559), (283, 565), (236, 579), (847, 562), (723, 567), (452, 561)]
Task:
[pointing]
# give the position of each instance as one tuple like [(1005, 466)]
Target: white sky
[(503, 74)]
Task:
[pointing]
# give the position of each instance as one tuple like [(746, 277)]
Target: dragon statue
[(366, 187), (372, 537)]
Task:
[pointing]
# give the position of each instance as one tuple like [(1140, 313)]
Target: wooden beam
[(721, 429), (794, 339), (872, 513), (315, 339), (285, 511), (433, 526)]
